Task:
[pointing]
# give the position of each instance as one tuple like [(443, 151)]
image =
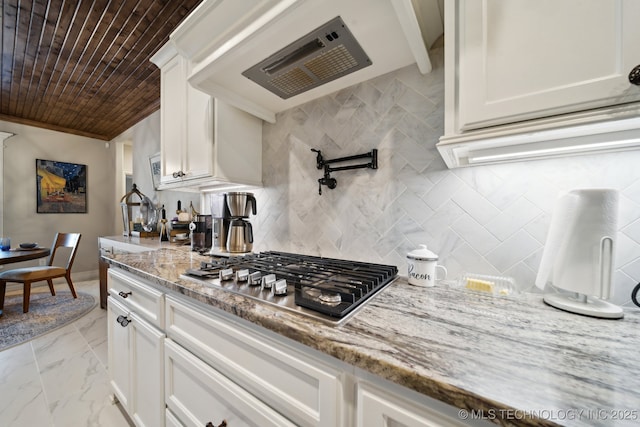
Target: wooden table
[(18, 255)]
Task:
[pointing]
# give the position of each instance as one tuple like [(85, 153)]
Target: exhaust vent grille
[(323, 55), (331, 63)]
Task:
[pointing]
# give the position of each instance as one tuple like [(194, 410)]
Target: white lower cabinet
[(136, 349), (378, 407), (305, 390), (199, 395), (187, 364), (136, 364)]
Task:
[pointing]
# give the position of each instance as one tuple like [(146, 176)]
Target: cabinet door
[(198, 394), (522, 59), (199, 142), (118, 352), (147, 361), (375, 407), (172, 118), (171, 420)]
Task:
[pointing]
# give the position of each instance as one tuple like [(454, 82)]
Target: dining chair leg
[(26, 296), (3, 289), (73, 290), (50, 282)]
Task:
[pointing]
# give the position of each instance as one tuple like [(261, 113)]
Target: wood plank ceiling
[(82, 67)]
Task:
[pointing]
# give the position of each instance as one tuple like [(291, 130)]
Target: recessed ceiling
[(82, 67)]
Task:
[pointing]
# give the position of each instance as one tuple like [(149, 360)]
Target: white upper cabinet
[(518, 71), (205, 143)]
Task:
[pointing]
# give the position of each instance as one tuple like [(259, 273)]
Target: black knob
[(634, 76), (124, 294), (123, 320)]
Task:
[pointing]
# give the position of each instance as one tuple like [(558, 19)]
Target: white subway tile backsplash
[(622, 287), (633, 270), (414, 206), (516, 248), (633, 231), (486, 219), (628, 211), (475, 205), (513, 218), (468, 260), (539, 227), (416, 104), (441, 220), (626, 250), (475, 234), (442, 191)]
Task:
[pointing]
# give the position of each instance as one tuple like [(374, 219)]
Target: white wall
[(20, 220), (485, 219)]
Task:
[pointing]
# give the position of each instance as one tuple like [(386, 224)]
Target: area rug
[(46, 313)]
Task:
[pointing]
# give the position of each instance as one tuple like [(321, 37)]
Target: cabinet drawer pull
[(123, 320), (178, 174), (634, 76), (222, 424), (124, 294)]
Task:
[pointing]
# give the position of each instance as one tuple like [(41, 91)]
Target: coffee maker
[(240, 234)]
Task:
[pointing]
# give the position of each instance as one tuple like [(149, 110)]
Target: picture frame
[(61, 187), (156, 171)]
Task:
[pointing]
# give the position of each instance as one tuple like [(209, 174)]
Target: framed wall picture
[(61, 187), (154, 164)]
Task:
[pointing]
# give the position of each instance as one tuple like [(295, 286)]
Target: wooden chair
[(28, 275)]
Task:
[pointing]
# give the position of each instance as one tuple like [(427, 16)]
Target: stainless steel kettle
[(241, 205), (240, 238)]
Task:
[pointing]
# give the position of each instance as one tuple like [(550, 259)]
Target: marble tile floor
[(60, 378)]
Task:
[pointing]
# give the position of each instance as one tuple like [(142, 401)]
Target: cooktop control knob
[(279, 287), (268, 281)]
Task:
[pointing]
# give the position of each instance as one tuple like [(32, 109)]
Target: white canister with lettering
[(422, 266)]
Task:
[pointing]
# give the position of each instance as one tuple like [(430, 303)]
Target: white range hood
[(225, 38)]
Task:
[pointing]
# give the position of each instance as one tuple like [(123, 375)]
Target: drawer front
[(305, 390), (198, 394), (375, 407), (137, 296)]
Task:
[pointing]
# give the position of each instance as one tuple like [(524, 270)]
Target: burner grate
[(334, 287)]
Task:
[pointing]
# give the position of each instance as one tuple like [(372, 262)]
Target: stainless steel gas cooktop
[(327, 289)]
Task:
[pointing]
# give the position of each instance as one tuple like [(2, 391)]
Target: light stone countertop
[(511, 355)]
